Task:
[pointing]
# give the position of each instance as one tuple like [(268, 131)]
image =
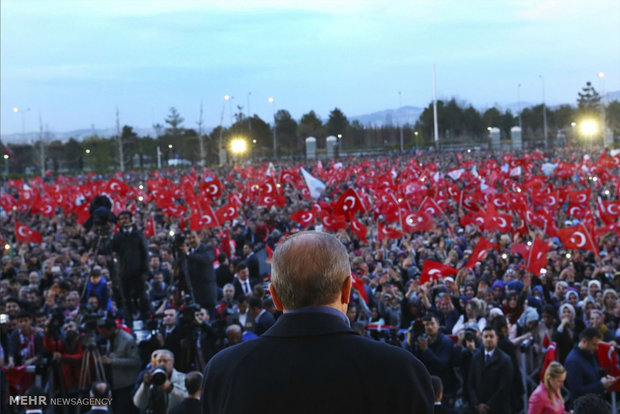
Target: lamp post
[(519, 106), (22, 113), (339, 145), (601, 80), (220, 149), (6, 166), (544, 110), (273, 109), (400, 105)]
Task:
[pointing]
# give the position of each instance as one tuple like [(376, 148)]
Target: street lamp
[(238, 146), (6, 166), (22, 112), (601, 77), (273, 109), (544, 109), (588, 127), (87, 151), (519, 105), (339, 145)]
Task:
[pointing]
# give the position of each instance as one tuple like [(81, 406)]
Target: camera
[(188, 311), (159, 376), (178, 240), (56, 322), (526, 343), (90, 321), (416, 328)]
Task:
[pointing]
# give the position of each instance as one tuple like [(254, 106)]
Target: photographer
[(123, 359), (65, 346), (200, 259), (130, 247), (439, 355), (162, 388)]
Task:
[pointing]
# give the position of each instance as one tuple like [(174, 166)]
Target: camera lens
[(159, 376)]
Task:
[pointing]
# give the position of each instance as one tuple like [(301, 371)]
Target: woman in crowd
[(547, 397)]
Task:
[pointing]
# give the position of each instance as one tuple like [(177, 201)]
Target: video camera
[(57, 320), (188, 311), (90, 321), (417, 328), (100, 214), (178, 241)]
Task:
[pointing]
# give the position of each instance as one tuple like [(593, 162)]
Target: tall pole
[(273, 109), (220, 149), (400, 105), (435, 125), (201, 138), (121, 156), (249, 114), (544, 111), (519, 106), (158, 158), (42, 146), (6, 166), (601, 77)]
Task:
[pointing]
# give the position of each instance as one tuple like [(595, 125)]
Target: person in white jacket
[(174, 391)]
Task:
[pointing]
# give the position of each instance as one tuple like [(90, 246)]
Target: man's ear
[(276, 300), (346, 291)]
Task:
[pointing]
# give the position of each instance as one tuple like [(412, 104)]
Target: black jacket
[(133, 255), (188, 406), (490, 382), (202, 276), (314, 363)]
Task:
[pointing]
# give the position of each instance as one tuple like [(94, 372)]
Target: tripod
[(91, 352)]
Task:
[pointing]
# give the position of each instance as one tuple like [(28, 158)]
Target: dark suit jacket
[(202, 276), (314, 363), (239, 289), (263, 322), (188, 406), (490, 382)]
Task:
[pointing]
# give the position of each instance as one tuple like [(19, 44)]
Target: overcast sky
[(75, 62)]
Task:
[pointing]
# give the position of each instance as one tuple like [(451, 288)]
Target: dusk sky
[(75, 62)]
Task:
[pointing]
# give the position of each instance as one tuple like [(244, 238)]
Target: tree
[(612, 114), (175, 120), (286, 128), (492, 117), (474, 125), (506, 123), (310, 125), (336, 123), (588, 97)]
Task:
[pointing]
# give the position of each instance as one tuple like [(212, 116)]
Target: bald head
[(309, 269)]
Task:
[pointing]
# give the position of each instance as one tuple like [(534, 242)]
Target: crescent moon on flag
[(347, 207), (434, 271), (21, 233), (115, 186), (207, 219), (502, 221), (582, 238), (613, 209)]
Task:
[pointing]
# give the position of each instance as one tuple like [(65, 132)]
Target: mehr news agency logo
[(43, 401)]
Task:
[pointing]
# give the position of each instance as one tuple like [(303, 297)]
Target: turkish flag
[(116, 186), (226, 244), (7, 202), (483, 247), (578, 238), (537, 259), (199, 220), (44, 206), (521, 249), (385, 232), (304, 218), (608, 361), (549, 357), (576, 210), (333, 223), (420, 221), (608, 211), (359, 229), (349, 203), (497, 221), (610, 228), (226, 213), (24, 233), (269, 200), (149, 230), (211, 188), (430, 207), (435, 270), (358, 284), (579, 197)]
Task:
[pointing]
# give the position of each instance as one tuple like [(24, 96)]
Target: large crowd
[(106, 278)]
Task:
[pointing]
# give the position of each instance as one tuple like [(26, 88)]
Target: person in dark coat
[(438, 388), (310, 360), (200, 259), (190, 405), (439, 355), (583, 369), (263, 320), (490, 377), (130, 246), (223, 275)]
